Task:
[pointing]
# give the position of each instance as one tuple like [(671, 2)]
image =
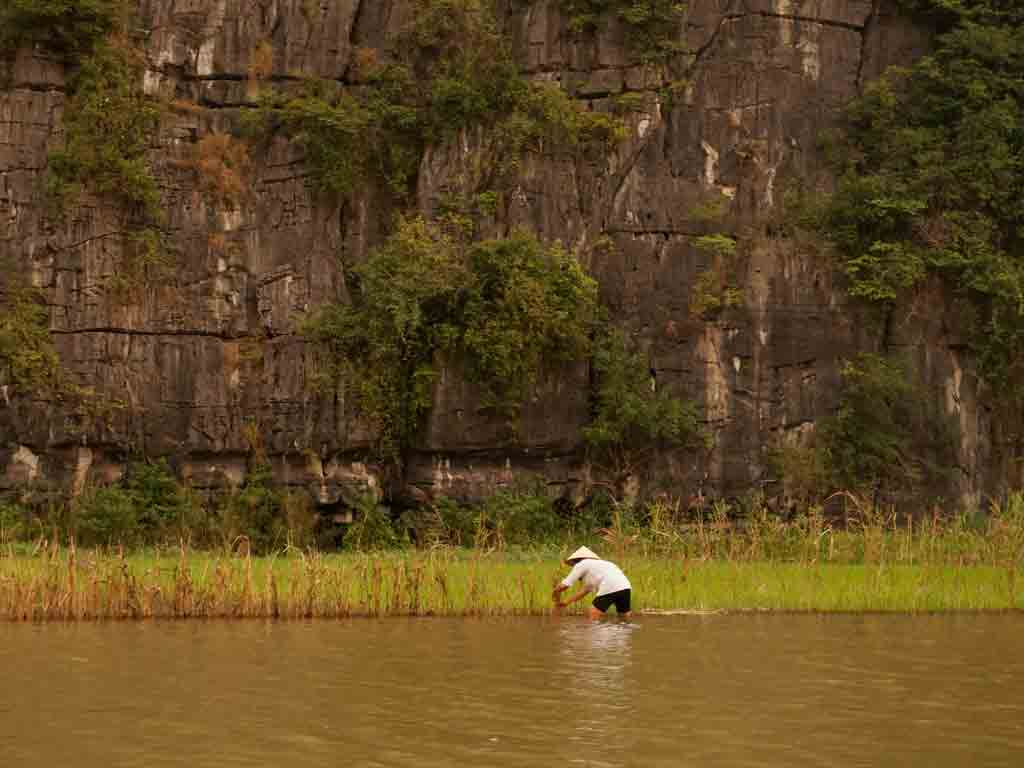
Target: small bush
[(222, 163), (300, 520), (14, 523), (518, 518), (372, 527), (804, 472), (148, 507), (166, 511), (107, 517), (444, 521), (28, 360), (253, 513), (715, 288)]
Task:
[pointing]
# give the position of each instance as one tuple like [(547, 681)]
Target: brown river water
[(724, 690)]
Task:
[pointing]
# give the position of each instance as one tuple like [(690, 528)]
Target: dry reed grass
[(874, 563), (222, 164), (58, 583)]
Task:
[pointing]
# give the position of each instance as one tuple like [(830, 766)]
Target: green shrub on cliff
[(69, 28), (715, 288), (108, 127), (427, 298), (452, 69), (887, 441), (931, 179), (108, 122), (330, 129), (653, 27), (632, 417), (946, 14), (884, 435), (404, 310), (472, 79), (527, 305), (28, 360)]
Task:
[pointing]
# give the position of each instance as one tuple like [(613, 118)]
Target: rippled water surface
[(773, 690)]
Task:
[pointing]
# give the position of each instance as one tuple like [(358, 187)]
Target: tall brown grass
[(874, 562)]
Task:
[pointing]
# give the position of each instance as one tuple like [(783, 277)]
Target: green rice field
[(71, 585)]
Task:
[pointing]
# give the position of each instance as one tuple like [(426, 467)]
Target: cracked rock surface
[(207, 360)]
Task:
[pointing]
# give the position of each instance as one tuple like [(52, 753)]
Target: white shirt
[(598, 576)]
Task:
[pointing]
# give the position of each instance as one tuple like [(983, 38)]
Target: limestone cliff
[(204, 364)]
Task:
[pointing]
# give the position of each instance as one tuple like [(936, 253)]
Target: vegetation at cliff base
[(883, 435), (806, 564), (887, 439), (931, 179)]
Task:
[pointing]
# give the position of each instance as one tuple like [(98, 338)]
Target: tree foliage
[(452, 69), (69, 28), (108, 121), (631, 415), (883, 435), (947, 14), (715, 288), (28, 359), (149, 506), (108, 127), (428, 296), (931, 163), (653, 27)]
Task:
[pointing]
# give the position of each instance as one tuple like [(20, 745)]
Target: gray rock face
[(204, 364)]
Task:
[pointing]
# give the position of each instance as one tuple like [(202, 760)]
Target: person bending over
[(601, 577)]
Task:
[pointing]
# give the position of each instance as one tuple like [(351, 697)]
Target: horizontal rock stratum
[(205, 364)]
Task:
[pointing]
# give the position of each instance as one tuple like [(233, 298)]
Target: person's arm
[(584, 591), (574, 575)]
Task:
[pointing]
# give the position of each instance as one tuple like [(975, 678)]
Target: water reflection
[(598, 652), (596, 657), (767, 691)]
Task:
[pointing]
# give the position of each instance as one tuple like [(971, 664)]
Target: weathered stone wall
[(205, 365)]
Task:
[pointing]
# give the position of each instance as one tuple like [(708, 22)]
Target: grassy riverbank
[(68, 585), (872, 561)]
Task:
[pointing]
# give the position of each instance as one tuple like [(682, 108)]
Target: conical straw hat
[(581, 554)]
